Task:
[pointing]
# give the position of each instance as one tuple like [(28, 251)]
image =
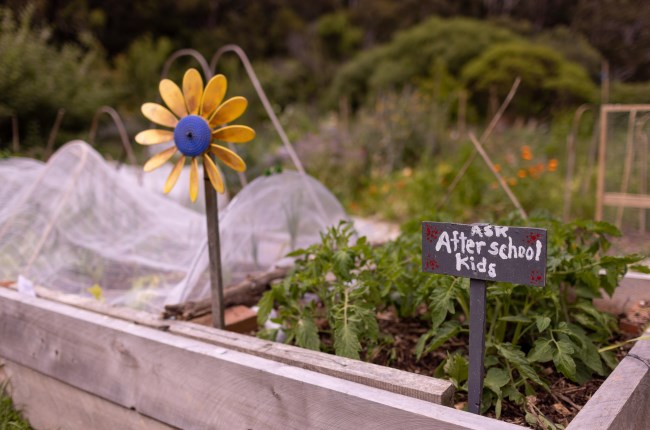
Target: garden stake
[(477, 294), (484, 136), (197, 116), (214, 252), (483, 252)]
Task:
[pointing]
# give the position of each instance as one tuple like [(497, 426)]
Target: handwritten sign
[(484, 251)]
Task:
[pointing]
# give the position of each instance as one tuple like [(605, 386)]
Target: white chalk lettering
[(443, 240), (476, 230), (500, 231), (460, 262)]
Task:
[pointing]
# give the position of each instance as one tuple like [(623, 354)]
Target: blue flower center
[(192, 135)]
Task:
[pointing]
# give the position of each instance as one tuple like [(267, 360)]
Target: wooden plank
[(625, 108), (628, 200), (623, 401), (600, 185), (51, 404), (396, 381), (191, 384), (393, 380)]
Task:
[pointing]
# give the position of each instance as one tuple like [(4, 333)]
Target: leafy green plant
[(10, 418), (331, 299), (340, 275)]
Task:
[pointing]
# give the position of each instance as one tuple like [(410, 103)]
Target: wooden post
[(477, 295), (502, 182), (214, 252), (627, 168), (600, 186), (604, 83), (444, 254), (571, 160)]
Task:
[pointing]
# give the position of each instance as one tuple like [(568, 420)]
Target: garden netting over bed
[(76, 222)]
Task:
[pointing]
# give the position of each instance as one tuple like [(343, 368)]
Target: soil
[(559, 405)]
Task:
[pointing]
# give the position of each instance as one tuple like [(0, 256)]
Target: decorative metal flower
[(198, 120)]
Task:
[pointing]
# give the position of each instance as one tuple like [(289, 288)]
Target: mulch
[(559, 405)]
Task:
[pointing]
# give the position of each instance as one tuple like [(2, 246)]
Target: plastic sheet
[(76, 223)]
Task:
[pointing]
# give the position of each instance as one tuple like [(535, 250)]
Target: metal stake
[(477, 294), (214, 251)]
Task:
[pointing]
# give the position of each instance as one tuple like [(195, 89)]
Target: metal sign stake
[(477, 295), (483, 252)]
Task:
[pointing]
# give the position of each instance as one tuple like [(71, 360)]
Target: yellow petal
[(230, 158), (230, 110), (192, 90), (173, 97), (173, 176), (213, 173), (234, 134), (194, 179), (159, 114), (214, 92), (154, 137), (159, 159)]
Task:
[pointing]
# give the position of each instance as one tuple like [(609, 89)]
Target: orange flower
[(512, 182), (526, 153), (552, 165), (497, 167), (521, 173)]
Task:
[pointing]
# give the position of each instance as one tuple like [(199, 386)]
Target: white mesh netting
[(76, 222)]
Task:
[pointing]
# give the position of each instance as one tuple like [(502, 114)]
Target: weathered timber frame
[(75, 363), (76, 368), (621, 199)]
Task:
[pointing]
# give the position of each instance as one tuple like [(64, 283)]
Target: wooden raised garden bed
[(76, 363)]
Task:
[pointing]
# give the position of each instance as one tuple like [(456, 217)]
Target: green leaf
[(518, 360), (343, 263), (445, 332), (562, 359), (441, 302), (265, 307), (307, 334), (346, 342), (609, 358), (587, 351), (497, 407), (516, 319), (298, 253), (513, 394), (542, 351), (422, 341), (495, 379), (641, 268), (457, 368), (542, 323)]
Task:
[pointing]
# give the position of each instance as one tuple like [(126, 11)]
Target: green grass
[(10, 418)]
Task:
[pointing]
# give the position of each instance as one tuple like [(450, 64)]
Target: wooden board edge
[(51, 404), (396, 381), (623, 401), (138, 367)]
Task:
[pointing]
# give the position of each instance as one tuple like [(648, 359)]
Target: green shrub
[(39, 78), (413, 53), (529, 329), (548, 79)]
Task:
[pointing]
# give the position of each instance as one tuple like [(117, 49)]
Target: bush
[(412, 53), (38, 78), (548, 79)]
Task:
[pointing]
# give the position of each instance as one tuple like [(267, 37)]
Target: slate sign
[(484, 251)]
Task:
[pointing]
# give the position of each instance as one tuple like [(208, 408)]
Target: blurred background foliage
[(372, 91)]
